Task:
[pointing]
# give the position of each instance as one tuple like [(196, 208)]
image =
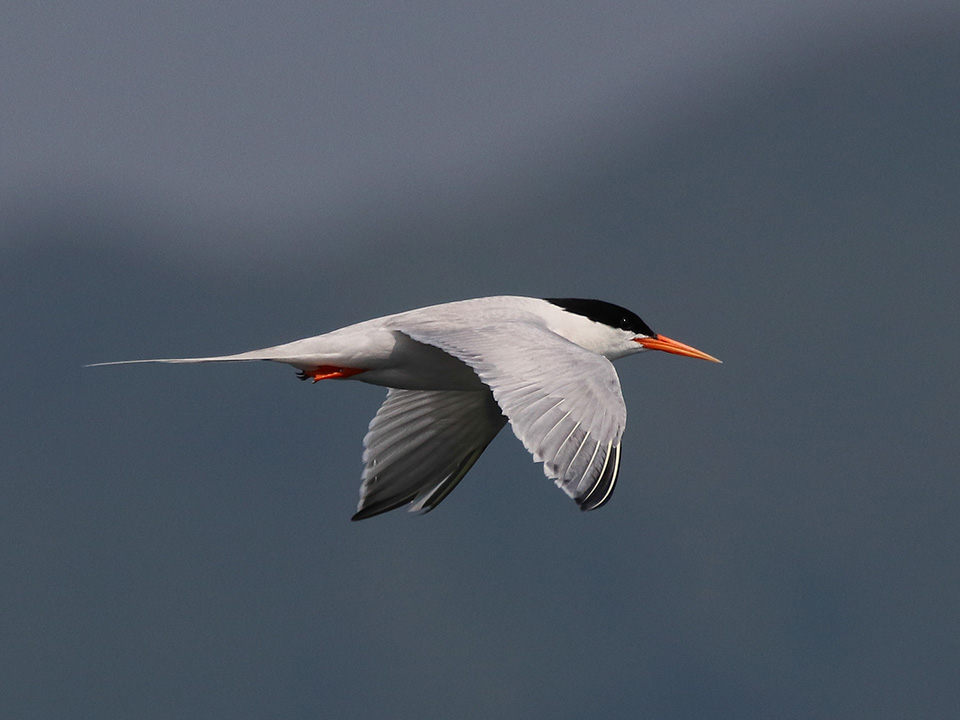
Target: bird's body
[(458, 372)]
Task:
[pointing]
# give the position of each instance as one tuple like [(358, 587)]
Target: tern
[(456, 373)]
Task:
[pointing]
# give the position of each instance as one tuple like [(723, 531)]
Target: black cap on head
[(606, 313)]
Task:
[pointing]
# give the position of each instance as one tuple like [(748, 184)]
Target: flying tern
[(456, 373)]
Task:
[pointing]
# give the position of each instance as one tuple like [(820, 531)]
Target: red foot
[(328, 372)]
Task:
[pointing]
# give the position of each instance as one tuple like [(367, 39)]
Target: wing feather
[(420, 445), (602, 491), (563, 402)]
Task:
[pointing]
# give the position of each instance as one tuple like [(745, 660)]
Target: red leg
[(328, 372)]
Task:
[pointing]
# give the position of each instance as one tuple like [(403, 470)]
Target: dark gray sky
[(775, 183)]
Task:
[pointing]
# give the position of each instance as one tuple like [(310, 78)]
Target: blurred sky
[(775, 183)]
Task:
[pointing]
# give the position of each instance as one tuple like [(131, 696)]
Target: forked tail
[(239, 357)]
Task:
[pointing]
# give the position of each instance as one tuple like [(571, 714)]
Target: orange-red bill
[(659, 342)]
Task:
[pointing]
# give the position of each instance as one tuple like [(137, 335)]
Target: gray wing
[(563, 402), (420, 445)]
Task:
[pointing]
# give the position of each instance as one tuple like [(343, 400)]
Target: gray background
[(775, 183)]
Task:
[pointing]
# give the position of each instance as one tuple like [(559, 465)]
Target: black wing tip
[(363, 515), (586, 505), (370, 512), (600, 494), (378, 508)]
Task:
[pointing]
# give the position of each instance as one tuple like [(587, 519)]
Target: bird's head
[(619, 332)]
